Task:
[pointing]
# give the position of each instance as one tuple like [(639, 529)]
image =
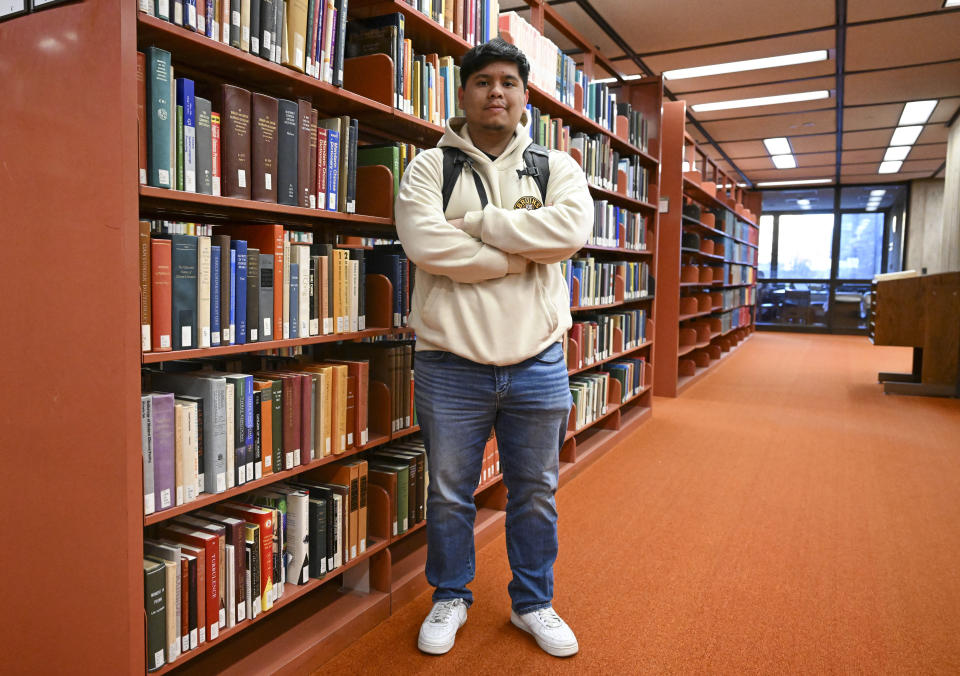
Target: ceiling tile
[(874, 155), (771, 125), (945, 110), (885, 178), (866, 10), (584, 25), (814, 143), (934, 133), (928, 166), (905, 42), (744, 149), (715, 22), (871, 117), (930, 151), (903, 84), (866, 139), (790, 174), (817, 160)]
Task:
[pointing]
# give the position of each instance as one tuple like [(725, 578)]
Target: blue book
[(240, 246), (190, 14), (333, 169), (211, 17), (214, 295), (294, 295), (248, 423), (233, 296), (186, 99)]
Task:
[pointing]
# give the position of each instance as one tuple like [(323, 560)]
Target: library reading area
[(481, 336)]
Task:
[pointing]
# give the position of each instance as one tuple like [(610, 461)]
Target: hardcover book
[(160, 112), (265, 148), (235, 140), (204, 146), (287, 181)]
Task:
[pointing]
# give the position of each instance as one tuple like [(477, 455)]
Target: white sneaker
[(439, 629), (550, 631)]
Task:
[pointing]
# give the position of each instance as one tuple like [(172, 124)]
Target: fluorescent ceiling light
[(750, 64), (607, 80), (877, 193), (784, 161), (803, 203), (951, 3), (905, 136), (778, 146), (896, 153), (761, 101), (872, 208), (916, 112), (889, 167), (805, 181), (806, 207)]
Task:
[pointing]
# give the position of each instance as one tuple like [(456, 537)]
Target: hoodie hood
[(457, 135)]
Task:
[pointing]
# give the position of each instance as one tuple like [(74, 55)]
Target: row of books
[(550, 132), (615, 226), (603, 166), (589, 392), (490, 468), (631, 373), (425, 85), (473, 20), (401, 469), (594, 335), (254, 147), (210, 430), (735, 318), (308, 37), (739, 274), (733, 298), (203, 291), (596, 280), (232, 562)]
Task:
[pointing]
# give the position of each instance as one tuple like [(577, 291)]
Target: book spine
[(160, 112), (266, 296), (341, 13), (215, 153), (287, 182), (294, 300), (215, 294), (321, 168), (142, 116), (268, 28), (186, 99), (164, 448), (253, 295), (146, 438), (154, 593), (233, 296), (204, 147), (203, 290), (144, 268), (255, 28), (303, 153), (184, 268), (161, 287), (333, 168)]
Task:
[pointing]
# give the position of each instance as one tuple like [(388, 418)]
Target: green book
[(387, 155), (180, 180), (158, 117), (154, 604)]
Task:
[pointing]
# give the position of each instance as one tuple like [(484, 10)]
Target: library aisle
[(783, 516)]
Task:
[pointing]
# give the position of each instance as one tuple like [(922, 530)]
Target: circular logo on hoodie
[(528, 202)]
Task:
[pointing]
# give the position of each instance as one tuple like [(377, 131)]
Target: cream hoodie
[(491, 291)]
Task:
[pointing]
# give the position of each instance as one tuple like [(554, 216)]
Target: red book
[(264, 519), (215, 165), (292, 452), (142, 114), (210, 544), (161, 310), (576, 333)]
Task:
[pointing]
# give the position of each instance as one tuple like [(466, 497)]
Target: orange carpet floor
[(782, 516)]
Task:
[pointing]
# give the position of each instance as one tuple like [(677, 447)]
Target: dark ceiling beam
[(841, 55), (939, 169), (620, 42)]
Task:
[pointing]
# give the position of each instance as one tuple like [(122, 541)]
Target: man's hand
[(457, 223)]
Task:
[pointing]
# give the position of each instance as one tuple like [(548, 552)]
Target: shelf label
[(664, 205)]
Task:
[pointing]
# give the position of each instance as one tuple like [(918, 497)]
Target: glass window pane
[(805, 242), (766, 245), (861, 245), (851, 306), (793, 304)]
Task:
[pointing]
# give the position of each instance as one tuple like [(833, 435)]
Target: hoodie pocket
[(547, 305)]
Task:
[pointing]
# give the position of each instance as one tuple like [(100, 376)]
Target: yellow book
[(415, 89), (295, 51)]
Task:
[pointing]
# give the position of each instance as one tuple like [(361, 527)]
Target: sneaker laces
[(549, 618), (442, 611)]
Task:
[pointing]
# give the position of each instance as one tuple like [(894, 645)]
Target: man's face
[(493, 98)]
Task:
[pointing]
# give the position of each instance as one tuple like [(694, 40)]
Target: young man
[(490, 308)]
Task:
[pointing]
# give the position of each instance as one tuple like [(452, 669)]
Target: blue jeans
[(527, 404)]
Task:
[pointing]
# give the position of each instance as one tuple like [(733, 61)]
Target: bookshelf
[(706, 261), (89, 219)]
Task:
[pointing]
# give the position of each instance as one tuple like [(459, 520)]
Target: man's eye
[(481, 83)]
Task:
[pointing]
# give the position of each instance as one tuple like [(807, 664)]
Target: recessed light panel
[(890, 167), (778, 146), (761, 101), (905, 136), (806, 181), (896, 153), (750, 64), (917, 112), (784, 161)]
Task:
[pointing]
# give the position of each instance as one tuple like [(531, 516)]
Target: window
[(804, 246), (861, 245), (766, 246)]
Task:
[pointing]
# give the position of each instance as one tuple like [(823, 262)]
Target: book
[(215, 292), (288, 142), (154, 596), (235, 139), (240, 293), (304, 159), (160, 111), (264, 148), (185, 98), (144, 268), (169, 554), (215, 150), (184, 283), (387, 155), (268, 239), (204, 146), (296, 24), (142, 116), (253, 295), (266, 296), (204, 271)]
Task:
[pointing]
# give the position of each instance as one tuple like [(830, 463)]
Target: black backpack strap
[(453, 161), (536, 163)]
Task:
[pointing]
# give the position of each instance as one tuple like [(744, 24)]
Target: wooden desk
[(922, 313)]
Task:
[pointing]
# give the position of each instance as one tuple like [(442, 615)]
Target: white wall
[(925, 229), (950, 253)]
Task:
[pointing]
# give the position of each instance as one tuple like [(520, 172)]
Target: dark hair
[(491, 52)]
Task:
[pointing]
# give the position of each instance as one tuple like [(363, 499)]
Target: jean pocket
[(430, 356), (551, 355)]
